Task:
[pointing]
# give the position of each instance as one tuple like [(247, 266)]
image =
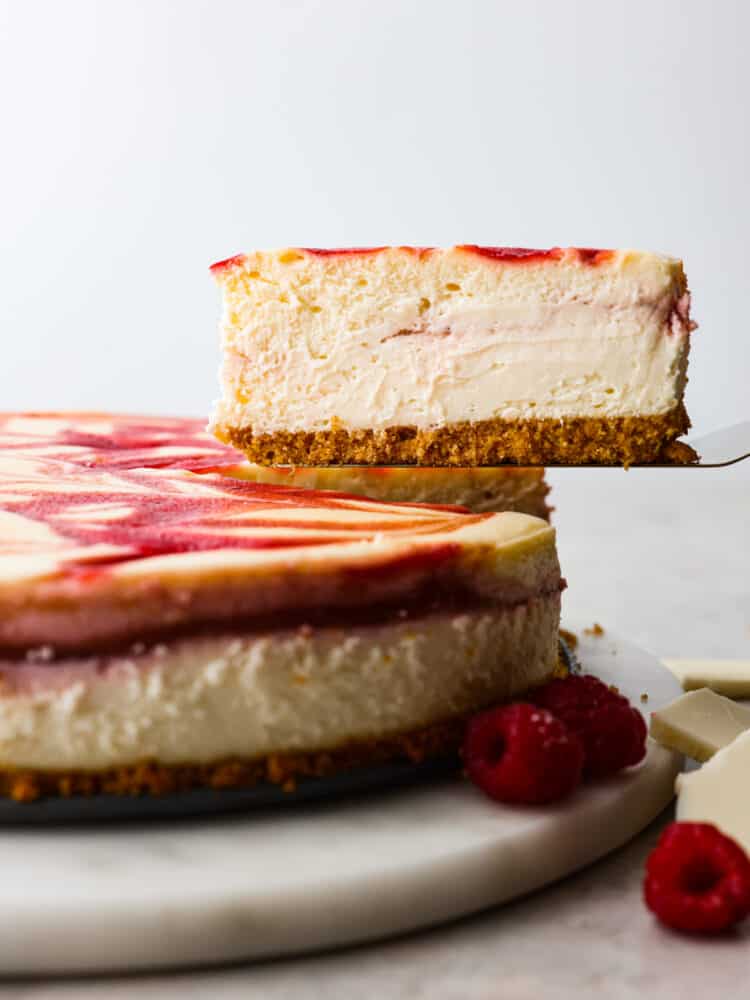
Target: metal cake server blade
[(726, 446)]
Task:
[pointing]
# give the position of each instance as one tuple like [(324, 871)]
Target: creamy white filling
[(426, 380), (203, 700), (393, 339)]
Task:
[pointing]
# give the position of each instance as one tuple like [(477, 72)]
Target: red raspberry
[(613, 733), (697, 879), (520, 753)]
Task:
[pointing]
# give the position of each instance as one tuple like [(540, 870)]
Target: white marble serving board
[(189, 892)]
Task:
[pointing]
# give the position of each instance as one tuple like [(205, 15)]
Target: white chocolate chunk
[(729, 677), (718, 792), (699, 724)]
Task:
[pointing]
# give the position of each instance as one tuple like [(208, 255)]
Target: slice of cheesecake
[(467, 356), (162, 627)]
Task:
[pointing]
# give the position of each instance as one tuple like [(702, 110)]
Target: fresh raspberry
[(697, 879), (574, 691), (612, 732), (521, 753)]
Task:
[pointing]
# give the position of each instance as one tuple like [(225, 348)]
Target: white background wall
[(141, 140)]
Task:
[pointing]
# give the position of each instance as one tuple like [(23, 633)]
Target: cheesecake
[(468, 356), (482, 490), (164, 624), (122, 441)]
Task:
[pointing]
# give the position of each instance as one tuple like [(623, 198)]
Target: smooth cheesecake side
[(482, 490), (466, 356), (162, 628)]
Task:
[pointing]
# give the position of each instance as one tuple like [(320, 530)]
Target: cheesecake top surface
[(591, 256), (654, 270), (102, 490), (113, 441), (111, 523)]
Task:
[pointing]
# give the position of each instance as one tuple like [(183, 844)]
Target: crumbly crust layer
[(570, 441), (439, 739), (284, 769)]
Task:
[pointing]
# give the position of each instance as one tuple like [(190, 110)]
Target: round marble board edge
[(98, 898)]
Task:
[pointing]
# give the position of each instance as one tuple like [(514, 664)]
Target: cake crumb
[(679, 453), (569, 638), (23, 789), (644, 697), (42, 654), (595, 629)]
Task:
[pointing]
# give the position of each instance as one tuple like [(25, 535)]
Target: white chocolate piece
[(699, 724), (717, 793), (728, 677)]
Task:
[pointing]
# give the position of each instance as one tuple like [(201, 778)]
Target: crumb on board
[(644, 697), (595, 629)]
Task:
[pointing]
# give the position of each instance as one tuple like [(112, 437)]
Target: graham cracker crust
[(569, 441), (284, 769), (440, 739)]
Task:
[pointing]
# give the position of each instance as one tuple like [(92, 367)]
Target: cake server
[(726, 446)]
